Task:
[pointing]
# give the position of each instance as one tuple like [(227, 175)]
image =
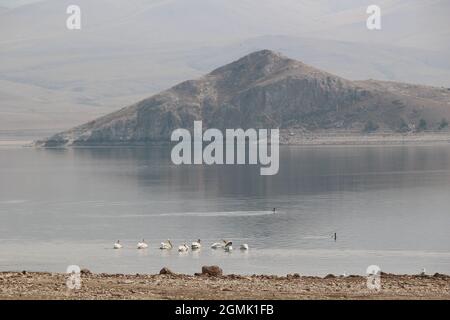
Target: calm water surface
[(390, 206)]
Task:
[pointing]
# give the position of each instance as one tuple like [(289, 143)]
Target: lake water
[(390, 206)]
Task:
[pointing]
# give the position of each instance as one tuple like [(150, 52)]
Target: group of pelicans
[(196, 245)]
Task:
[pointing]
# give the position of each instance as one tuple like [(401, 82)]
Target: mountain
[(266, 90), (52, 78)]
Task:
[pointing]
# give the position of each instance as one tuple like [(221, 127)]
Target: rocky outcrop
[(266, 90), (212, 271), (166, 271)]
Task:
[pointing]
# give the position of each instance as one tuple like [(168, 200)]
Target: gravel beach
[(34, 285)]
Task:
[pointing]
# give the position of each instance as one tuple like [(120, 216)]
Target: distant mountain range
[(267, 90)]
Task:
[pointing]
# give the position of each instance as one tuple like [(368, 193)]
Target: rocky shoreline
[(297, 137), (290, 139), (212, 284)]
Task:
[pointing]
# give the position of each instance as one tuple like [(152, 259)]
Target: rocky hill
[(267, 90)]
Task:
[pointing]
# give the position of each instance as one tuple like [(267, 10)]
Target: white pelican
[(196, 245), (217, 245), (117, 245), (183, 248), (142, 245), (244, 246), (166, 245), (228, 246)]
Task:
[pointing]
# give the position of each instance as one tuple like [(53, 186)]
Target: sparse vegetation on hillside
[(422, 126), (444, 124), (371, 127), (403, 127)]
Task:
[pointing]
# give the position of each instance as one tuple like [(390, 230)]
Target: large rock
[(166, 271), (85, 271), (212, 271)]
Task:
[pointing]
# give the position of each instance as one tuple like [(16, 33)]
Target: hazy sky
[(15, 3)]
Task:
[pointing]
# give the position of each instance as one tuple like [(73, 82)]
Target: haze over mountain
[(266, 90), (54, 78)]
